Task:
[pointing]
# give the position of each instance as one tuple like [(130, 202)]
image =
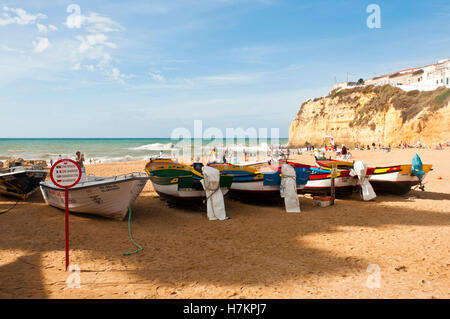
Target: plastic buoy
[(439, 177)]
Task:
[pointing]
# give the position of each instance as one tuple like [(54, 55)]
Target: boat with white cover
[(105, 196)]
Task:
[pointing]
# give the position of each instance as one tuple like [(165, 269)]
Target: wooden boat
[(21, 181), (249, 183), (396, 179), (319, 181), (180, 182), (105, 196)]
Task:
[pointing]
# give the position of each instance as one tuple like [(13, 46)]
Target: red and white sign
[(65, 173)]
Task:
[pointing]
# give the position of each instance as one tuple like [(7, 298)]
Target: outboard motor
[(198, 166), (417, 170)]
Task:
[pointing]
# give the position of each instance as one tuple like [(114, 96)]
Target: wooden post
[(333, 176)]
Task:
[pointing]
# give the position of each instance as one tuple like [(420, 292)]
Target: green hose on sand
[(131, 237)]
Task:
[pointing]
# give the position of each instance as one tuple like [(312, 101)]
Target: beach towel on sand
[(288, 189), (214, 197)]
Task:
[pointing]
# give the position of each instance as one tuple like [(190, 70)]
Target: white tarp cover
[(288, 189), (360, 170), (214, 197)]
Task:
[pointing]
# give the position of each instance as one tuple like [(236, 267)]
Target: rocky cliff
[(381, 114)]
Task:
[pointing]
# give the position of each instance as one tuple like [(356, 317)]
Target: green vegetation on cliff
[(409, 103)]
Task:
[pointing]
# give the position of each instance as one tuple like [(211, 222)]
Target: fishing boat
[(105, 196), (396, 179), (20, 181), (180, 182), (249, 183), (319, 181)]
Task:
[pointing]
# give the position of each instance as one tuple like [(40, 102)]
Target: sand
[(261, 252)]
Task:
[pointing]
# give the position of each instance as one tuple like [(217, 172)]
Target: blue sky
[(144, 68)]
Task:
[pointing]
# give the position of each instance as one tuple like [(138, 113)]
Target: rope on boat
[(131, 237), (7, 210)]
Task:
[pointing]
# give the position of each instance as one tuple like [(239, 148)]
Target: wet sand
[(261, 252)]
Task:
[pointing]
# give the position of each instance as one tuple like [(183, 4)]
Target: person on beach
[(79, 158), (51, 162), (343, 150)]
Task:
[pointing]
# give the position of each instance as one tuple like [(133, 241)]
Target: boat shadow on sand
[(256, 247), (413, 195)]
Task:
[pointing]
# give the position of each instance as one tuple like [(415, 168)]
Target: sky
[(144, 68)]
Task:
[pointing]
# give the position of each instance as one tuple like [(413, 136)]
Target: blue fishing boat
[(249, 183)]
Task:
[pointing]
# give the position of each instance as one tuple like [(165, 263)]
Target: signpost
[(66, 173)]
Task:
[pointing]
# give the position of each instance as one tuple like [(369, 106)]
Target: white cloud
[(19, 16), (228, 78), (94, 23), (42, 28), (92, 53), (116, 75), (76, 67), (157, 76), (92, 40), (41, 44)]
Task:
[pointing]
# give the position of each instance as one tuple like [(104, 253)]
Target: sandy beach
[(261, 252)]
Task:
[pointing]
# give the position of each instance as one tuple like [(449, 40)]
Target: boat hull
[(21, 183), (178, 182), (180, 189), (343, 185), (396, 180), (393, 183), (254, 190), (110, 199)]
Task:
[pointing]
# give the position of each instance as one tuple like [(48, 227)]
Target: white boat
[(105, 196)]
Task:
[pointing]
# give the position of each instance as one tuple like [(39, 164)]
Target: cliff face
[(383, 114)]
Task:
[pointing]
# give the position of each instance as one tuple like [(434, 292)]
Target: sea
[(107, 150)]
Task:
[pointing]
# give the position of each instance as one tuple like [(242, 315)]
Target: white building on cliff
[(425, 78)]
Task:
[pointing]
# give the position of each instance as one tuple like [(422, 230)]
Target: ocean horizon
[(107, 150)]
